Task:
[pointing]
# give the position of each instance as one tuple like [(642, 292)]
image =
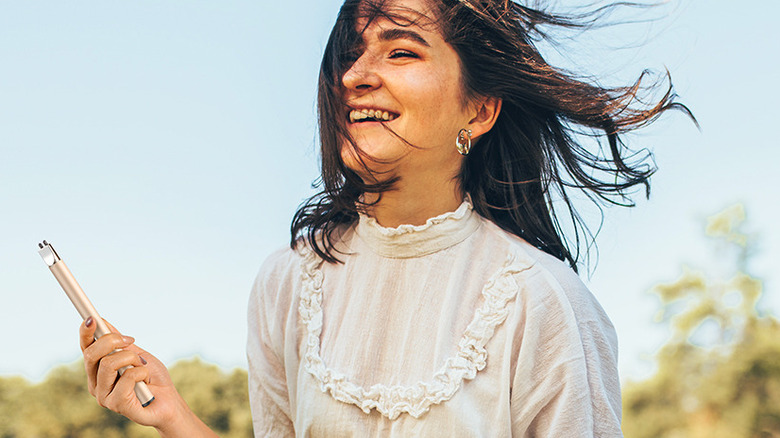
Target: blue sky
[(163, 147)]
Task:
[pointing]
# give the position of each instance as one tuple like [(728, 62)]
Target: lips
[(371, 115)]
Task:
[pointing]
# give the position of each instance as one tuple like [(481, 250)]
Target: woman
[(428, 290)]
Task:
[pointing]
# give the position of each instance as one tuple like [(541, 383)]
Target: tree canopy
[(719, 374), (61, 407)]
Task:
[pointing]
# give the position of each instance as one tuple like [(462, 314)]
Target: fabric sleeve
[(566, 380), (268, 393)]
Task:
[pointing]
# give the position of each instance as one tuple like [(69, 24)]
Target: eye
[(399, 53)]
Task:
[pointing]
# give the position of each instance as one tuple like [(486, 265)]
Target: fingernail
[(143, 361), (128, 339), (88, 322)]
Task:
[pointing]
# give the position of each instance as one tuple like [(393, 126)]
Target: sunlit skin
[(412, 72)]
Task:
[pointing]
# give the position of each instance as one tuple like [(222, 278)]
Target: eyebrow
[(397, 34)]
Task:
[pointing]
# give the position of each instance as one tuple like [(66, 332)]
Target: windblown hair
[(533, 155)]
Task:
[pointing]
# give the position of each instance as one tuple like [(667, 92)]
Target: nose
[(362, 76)]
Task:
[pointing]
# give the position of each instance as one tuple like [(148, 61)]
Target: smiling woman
[(429, 289), (407, 70)]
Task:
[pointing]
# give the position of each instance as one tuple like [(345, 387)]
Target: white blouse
[(455, 328)]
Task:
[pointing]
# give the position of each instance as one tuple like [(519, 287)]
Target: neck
[(414, 202)]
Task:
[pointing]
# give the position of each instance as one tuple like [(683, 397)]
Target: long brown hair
[(533, 155)]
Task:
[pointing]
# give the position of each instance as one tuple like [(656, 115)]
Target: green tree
[(719, 374), (220, 400), (61, 407)]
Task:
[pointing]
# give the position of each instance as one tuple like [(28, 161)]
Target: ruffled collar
[(393, 400), (406, 241)]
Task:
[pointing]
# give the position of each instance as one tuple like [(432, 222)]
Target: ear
[(488, 110)]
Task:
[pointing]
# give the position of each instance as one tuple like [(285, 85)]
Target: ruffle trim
[(416, 400), (461, 212)]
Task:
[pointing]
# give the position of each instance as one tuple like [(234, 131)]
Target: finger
[(108, 370), (100, 349), (132, 347), (158, 373), (122, 397), (105, 345), (139, 351), (87, 333)]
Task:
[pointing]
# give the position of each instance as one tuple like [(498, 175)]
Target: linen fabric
[(455, 328)]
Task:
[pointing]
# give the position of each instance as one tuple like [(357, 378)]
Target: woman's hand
[(168, 413)]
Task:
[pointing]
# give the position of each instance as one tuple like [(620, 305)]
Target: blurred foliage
[(719, 374), (61, 407)]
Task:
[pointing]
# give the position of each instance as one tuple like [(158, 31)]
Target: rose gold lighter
[(84, 306)]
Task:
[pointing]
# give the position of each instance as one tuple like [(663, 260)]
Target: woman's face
[(408, 78)]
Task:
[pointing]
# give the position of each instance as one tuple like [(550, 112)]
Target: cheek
[(436, 98), (376, 145), (441, 115)]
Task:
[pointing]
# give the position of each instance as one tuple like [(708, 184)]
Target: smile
[(371, 115)]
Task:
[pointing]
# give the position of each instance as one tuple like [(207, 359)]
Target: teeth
[(362, 114)]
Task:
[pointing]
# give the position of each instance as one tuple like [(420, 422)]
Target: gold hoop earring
[(463, 141)]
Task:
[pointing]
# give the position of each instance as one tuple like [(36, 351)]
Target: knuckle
[(130, 373), (93, 353), (105, 373), (89, 359), (116, 360), (111, 340), (136, 373), (119, 358), (107, 362)]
